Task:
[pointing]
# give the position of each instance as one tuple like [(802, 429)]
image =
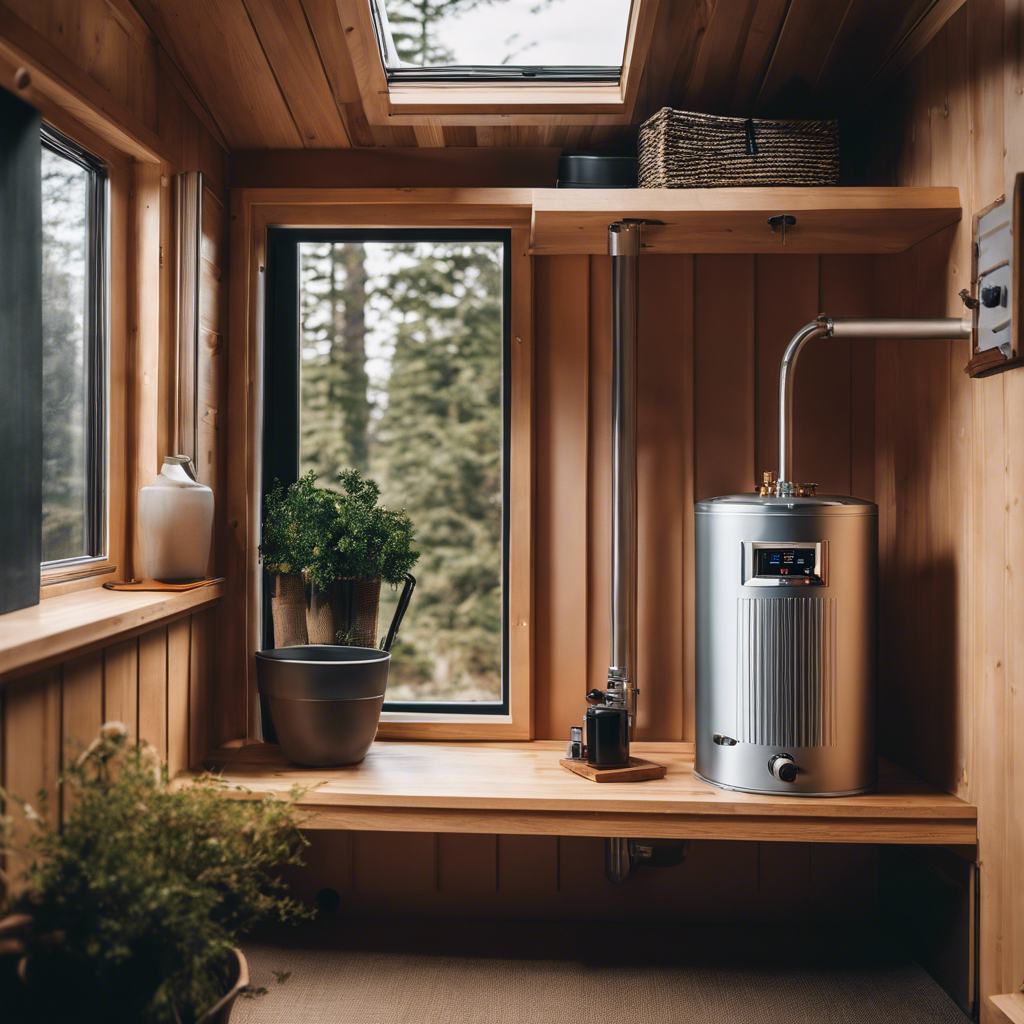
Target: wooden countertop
[(521, 788)]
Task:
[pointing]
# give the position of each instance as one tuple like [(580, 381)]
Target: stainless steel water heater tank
[(786, 643), (786, 615)]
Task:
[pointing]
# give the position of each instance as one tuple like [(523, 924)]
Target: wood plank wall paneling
[(950, 469), (212, 364), (712, 333), (410, 875), (665, 490), (144, 682), (178, 694), (153, 689), (121, 685), (561, 353), (107, 41), (292, 74), (103, 46)]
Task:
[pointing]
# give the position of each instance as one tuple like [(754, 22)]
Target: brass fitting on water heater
[(789, 489), (770, 488)]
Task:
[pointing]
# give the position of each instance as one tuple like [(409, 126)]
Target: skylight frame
[(429, 105), (397, 73)]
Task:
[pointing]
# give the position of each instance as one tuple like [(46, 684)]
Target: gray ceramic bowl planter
[(324, 699)]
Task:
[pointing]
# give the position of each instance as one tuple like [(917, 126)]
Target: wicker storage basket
[(682, 150)]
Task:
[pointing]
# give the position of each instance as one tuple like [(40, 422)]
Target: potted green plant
[(297, 526), (131, 910), (329, 552)]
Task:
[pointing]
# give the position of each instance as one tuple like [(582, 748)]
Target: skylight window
[(496, 40)]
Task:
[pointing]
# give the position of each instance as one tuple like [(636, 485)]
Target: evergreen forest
[(66, 385), (401, 378)]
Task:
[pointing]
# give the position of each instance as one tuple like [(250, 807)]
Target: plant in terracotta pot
[(329, 552), (131, 910)]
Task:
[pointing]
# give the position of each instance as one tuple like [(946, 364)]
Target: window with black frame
[(74, 222), (387, 352), (423, 41)]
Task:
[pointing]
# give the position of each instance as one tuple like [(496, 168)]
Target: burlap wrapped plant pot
[(288, 610), (346, 613), (320, 616), (360, 600)]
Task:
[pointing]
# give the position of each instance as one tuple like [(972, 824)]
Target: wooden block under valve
[(638, 770)]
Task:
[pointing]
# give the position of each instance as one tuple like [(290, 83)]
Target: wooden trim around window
[(490, 103), (66, 579), (252, 211)]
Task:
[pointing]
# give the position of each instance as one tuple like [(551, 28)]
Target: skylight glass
[(451, 39)]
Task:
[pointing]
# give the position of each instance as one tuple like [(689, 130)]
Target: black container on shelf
[(597, 170)]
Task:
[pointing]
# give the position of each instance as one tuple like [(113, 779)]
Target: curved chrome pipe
[(942, 328), (820, 328)]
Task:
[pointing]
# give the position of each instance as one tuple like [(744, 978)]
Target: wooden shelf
[(1011, 1005), (59, 627), (828, 220), (521, 788)]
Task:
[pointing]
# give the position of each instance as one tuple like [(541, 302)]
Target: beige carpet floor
[(354, 972)]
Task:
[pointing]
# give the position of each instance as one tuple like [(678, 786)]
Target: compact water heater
[(786, 643), (786, 616)]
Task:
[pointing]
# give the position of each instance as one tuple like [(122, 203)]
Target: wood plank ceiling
[(276, 74)]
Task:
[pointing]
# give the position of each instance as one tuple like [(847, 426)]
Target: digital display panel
[(773, 562)]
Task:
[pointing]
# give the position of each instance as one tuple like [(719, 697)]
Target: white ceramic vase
[(175, 523)]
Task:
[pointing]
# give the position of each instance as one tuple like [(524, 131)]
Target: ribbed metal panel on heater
[(786, 672)]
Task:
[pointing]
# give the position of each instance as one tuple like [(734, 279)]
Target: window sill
[(1011, 1005), (521, 788), (59, 627)]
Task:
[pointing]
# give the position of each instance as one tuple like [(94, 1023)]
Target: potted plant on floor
[(131, 910), (329, 552)]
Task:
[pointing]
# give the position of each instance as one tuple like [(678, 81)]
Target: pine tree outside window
[(75, 284), (387, 352), (502, 40)]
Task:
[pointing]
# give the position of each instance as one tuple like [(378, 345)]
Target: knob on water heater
[(783, 767)]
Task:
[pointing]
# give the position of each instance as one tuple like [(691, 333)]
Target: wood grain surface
[(638, 770), (57, 627), (950, 472), (307, 72), (834, 220), (156, 683), (522, 788)]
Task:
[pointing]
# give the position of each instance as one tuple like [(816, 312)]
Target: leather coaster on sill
[(157, 585)]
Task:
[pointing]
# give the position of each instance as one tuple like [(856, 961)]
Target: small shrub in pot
[(329, 551), (131, 910)]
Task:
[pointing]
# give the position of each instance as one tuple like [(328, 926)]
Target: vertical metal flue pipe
[(624, 249), (941, 328)]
